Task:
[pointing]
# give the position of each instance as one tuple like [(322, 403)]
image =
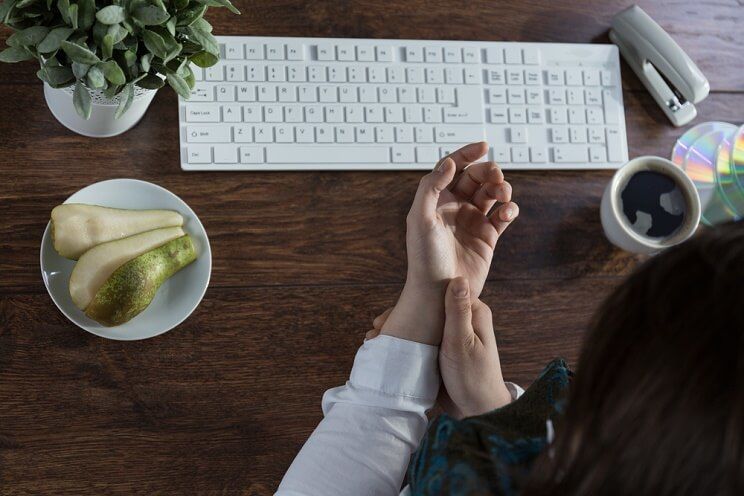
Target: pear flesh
[(97, 264), (131, 288), (76, 228)]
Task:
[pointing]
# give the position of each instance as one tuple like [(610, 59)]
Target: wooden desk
[(302, 263)]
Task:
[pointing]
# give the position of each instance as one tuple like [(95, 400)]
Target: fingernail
[(509, 213), (461, 289), (440, 167)]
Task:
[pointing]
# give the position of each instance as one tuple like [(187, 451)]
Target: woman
[(656, 408)]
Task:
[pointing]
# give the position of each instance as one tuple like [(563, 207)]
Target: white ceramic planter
[(102, 123)]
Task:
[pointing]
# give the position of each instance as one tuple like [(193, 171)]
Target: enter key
[(469, 108)]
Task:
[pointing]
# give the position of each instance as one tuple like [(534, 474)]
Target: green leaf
[(190, 14), (113, 72), (117, 32), (155, 44), (73, 13), (5, 9), (81, 100), (150, 15), (86, 14), (145, 62), (127, 95), (205, 39), (177, 83), (107, 46), (171, 25), (25, 3), (204, 59), (28, 37), (111, 90), (95, 78), (151, 82), (220, 3), (64, 9), (16, 54), (56, 77), (53, 40), (79, 54), (181, 4), (113, 14), (202, 25), (80, 70)]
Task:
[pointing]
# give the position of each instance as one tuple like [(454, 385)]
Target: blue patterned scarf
[(493, 453)]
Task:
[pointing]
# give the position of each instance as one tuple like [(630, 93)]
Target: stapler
[(666, 71)]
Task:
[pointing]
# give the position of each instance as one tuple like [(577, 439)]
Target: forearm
[(418, 315), (372, 425)]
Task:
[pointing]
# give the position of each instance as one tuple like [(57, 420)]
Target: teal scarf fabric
[(493, 453)]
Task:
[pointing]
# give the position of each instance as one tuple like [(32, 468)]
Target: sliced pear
[(131, 287), (76, 228), (98, 263)]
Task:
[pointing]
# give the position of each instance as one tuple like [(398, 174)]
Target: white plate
[(176, 298)]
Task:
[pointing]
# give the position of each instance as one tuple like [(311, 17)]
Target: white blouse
[(372, 425)]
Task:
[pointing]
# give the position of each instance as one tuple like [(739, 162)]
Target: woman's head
[(657, 406)]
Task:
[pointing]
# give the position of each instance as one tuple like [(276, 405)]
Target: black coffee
[(653, 204)]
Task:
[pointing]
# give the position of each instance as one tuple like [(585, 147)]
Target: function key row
[(346, 52)]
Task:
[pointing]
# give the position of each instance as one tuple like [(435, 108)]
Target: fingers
[(425, 203), (503, 216), (371, 334), (483, 322), (458, 327), (468, 154), (488, 194), (474, 175), (380, 319)]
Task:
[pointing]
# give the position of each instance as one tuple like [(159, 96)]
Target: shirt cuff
[(514, 390), (392, 373)]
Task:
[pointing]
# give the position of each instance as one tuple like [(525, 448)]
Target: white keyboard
[(360, 104)]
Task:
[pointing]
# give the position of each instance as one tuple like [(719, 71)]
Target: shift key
[(459, 134)]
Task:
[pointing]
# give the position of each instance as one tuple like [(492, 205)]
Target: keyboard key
[(202, 113), (575, 96), (215, 73), (424, 134), (246, 93), (414, 54), (365, 134), (346, 53), (298, 154), (403, 134), (591, 77), (494, 55), (452, 55), (326, 52), (614, 152), (472, 75), (518, 134), (594, 116), (275, 51), (517, 115), (317, 74), (296, 74), (520, 154), (273, 113), (577, 134), (344, 134), (427, 154), (558, 116), (365, 53), (516, 96), (395, 74), (573, 77), (576, 115), (253, 51), (414, 75), (263, 133), (534, 96), (495, 76), (501, 154), (295, 51), (234, 72), (568, 154), (231, 113), (434, 75), (606, 78), (538, 155), (445, 95), (308, 94), (610, 107), (556, 96), (471, 55), (555, 77), (234, 50), (531, 56), (514, 76), (243, 133), (251, 154), (403, 154), (226, 154), (329, 94), (384, 54), (387, 94), (336, 75), (433, 54), (597, 154), (596, 135), (535, 116), (458, 134), (593, 96), (453, 75), (199, 154), (394, 114), (305, 134), (208, 134), (513, 55), (559, 135), (202, 95), (532, 77), (497, 95), (499, 115), (252, 113), (324, 134)]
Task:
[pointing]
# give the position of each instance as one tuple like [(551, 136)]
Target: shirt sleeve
[(371, 425)]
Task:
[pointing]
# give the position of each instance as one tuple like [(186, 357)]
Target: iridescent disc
[(732, 194), (700, 166), (737, 158), (679, 152)]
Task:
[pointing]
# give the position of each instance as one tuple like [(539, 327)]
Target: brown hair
[(657, 405)]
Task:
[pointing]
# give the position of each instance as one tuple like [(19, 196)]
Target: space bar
[(290, 154)]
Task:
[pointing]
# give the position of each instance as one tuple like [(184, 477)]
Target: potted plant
[(102, 61)]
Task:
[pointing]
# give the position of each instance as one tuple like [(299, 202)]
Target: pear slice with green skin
[(131, 287), (76, 227), (98, 263)]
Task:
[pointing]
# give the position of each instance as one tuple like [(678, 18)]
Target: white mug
[(617, 227)]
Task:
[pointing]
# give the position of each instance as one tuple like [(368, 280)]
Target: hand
[(449, 234), (468, 357)]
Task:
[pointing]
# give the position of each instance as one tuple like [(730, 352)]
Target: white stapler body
[(672, 78)]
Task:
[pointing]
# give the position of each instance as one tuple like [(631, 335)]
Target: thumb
[(425, 203), (458, 324)]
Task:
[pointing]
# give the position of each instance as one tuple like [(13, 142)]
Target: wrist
[(418, 314)]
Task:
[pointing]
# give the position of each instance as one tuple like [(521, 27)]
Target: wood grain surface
[(302, 263)]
